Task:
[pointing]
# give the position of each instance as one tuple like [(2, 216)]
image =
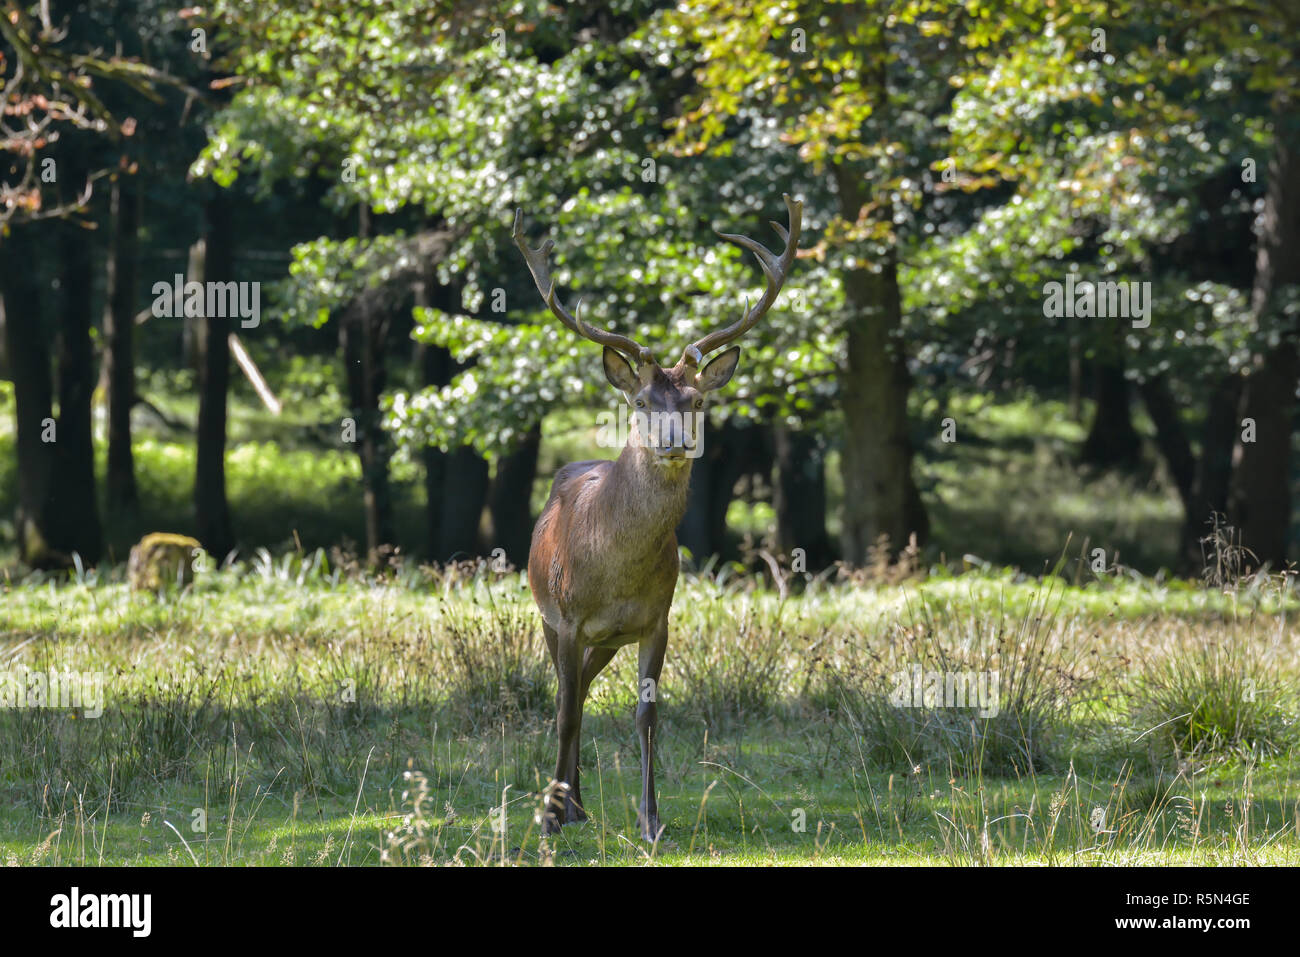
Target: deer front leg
[(568, 721), (650, 662)]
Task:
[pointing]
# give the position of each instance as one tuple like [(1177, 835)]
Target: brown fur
[(603, 568), (604, 552), (604, 549)]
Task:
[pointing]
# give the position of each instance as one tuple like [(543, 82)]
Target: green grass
[(312, 718), (729, 801), (1009, 489)]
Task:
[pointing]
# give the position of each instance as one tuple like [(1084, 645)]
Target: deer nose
[(672, 436)]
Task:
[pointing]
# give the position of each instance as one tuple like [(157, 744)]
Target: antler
[(776, 269), (538, 265)]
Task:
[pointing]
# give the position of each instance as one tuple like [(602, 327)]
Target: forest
[(360, 174)]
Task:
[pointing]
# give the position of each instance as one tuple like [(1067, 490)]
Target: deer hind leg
[(552, 640), (552, 645), (650, 662)]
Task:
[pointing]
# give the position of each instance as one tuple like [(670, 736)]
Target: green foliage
[(996, 147), (479, 123)]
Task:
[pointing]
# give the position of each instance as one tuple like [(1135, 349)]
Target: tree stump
[(161, 559)]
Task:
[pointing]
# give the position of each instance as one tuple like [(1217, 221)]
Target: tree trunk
[(1209, 495), (799, 495), (456, 483), (730, 452), (1112, 440), (212, 510), (464, 493), (1259, 502), (363, 343), (363, 330), (1075, 361), (4, 337), (431, 366), (510, 499), (74, 526), (28, 349), (190, 332), (880, 494), (118, 373), (1171, 437), (435, 484), (1259, 499), (695, 531)]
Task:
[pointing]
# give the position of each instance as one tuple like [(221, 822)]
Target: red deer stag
[(603, 563)]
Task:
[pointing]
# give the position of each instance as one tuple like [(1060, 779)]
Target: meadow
[(293, 710)]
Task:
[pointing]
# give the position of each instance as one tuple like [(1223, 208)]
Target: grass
[(1010, 489), (284, 712)]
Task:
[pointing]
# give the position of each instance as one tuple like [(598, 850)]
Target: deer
[(603, 562)]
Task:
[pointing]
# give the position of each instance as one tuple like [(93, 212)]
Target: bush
[(1212, 698)]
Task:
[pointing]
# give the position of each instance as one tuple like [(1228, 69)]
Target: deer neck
[(646, 500)]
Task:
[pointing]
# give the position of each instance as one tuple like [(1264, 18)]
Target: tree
[(845, 85), (1129, 132), (55, 86), (1259, 501), (74, 526), (118, 370), (211, 508)]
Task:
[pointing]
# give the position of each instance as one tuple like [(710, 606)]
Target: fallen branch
[(254, 375)]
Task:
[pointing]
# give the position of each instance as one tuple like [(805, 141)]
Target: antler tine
[(777, 270), (539, 265)]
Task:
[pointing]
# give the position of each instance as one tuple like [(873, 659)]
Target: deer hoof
[(650, 829)]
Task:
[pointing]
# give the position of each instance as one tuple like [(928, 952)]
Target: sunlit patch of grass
[(1009, 490)]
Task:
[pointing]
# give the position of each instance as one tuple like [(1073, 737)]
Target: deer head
[(668, 403)]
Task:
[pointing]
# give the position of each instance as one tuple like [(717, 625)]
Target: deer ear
[(619, 372), (718, 371)]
